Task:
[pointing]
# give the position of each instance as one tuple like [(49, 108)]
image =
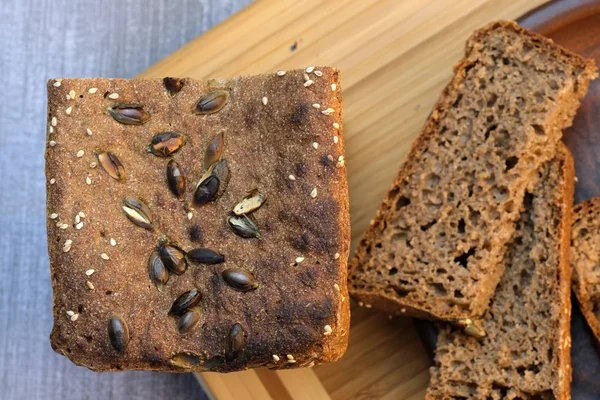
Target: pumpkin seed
[(185, 360), (184, 302), (214, 151), (235, 342), (129, 114), (166, 143), (173, 86), (206, 190), (205, 256), (243, 226), (137, 212), (118, 333), (211, 102), (221, 171), (159, 275), (188, 321), (175, 179), (239, 279), (213, 362), (173, 258), (250, 203), (471, 327), (111, 165)]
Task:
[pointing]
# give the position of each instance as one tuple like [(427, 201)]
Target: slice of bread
[(526, 353), (585, 260), (435, 248)]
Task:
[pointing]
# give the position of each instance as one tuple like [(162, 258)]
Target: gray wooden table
[(41, 39)]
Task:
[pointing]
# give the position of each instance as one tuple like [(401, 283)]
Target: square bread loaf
[(526, 353), (585, 260), (198, 225), (435, 247)]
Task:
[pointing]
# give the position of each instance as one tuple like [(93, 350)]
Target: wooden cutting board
[(395, 57)]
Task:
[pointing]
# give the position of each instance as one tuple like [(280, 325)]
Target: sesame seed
[(315, 145), (88, 131), (265, 100), (335, 139), (90, 285), (306, 77), (113, 242), (368, 305), (316, 105), (281, 73), (66, 247), (328, 111), (576, 179), (68, 110), (88, 180), (93, 164), (403, 310), (336, 287), (190, 215), (313, 194), (67, 97), (92, 90), (79, 225), (336, 125), (90, 272), (341, 158), (113, 96), (328, 330), (329, 157), (310, 364), (318, 73), (53, 121), (74, 317), (333, 87), (80, 153), (275, 357), (70, 313), (309, 69), (390, 317), (56, 84), (104, 256), (53, 216), (58, 223), (308, 83), (52, 143), (289, 357), (63, 226), (291, 177), (77, 219), (336, 256), (68, 241), (361, 304), (72, 94), (51, 129), (52, 181), (299, 259)]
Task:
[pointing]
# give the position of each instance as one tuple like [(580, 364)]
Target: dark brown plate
[(574, 24)]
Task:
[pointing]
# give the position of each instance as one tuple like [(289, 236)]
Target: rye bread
[(298, 315), (585, 260), (435, 247), (526, 353)]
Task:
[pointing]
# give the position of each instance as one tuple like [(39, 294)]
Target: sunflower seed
[(129, 114), (166, 143), (111, 164), (221, 171), (118, 333), (206, 190), (239, 279), (184, 302), (205, 256), (185, 360), (159, 275), (214, 151), (235, 342), (173, 85), (175, 179), (188, 321), (471, 327), (173, 258), (250, 203), (137, 212), (211, 102), (243, 226)]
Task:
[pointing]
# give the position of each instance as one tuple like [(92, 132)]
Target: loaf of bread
[(198, 225), (585, 260), (526, 353), (435, 247)]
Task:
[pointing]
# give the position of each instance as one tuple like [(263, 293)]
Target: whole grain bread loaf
[(198, 225), (526, 353), (585, 260), (435, 247)]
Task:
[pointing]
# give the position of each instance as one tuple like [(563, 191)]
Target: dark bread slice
[(299, 314), (526, 353), (585, 260), (435, 247)]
